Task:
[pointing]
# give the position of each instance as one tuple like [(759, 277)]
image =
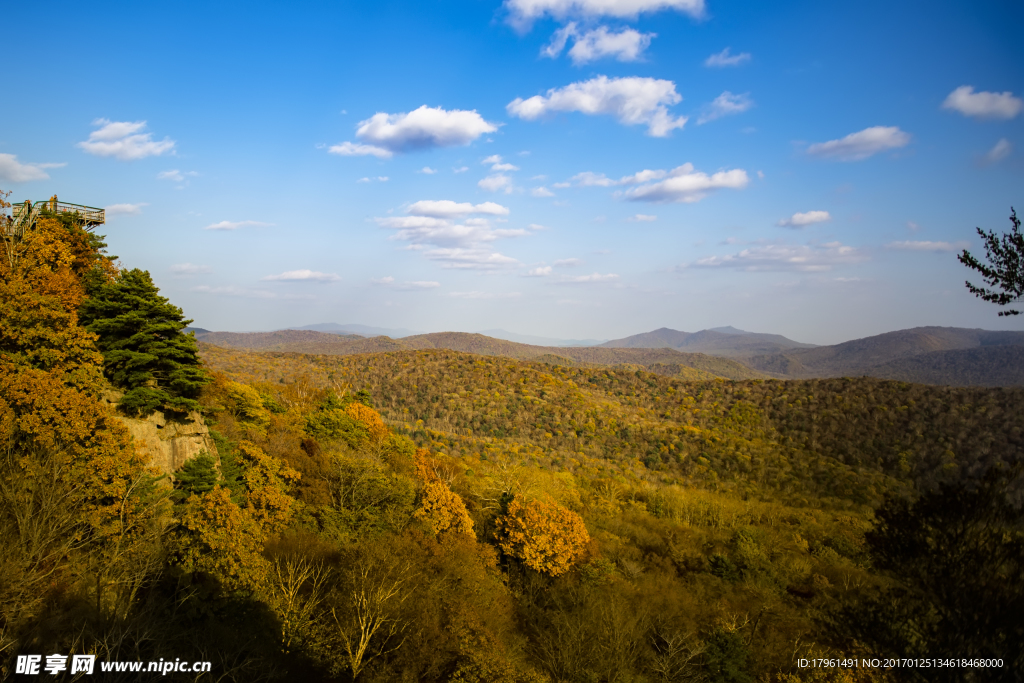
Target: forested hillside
[(440, 515), (663, 361), (934, 355), (826, 437)]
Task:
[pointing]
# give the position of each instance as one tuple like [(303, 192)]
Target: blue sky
[(564, 168)]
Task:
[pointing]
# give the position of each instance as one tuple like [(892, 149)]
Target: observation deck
[(25, 214)]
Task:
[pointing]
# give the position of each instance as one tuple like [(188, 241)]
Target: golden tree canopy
[(545, 536)]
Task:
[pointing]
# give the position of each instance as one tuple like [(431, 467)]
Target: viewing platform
[(25, 214)]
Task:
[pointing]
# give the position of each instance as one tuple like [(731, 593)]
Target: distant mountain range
[(538, 341), (361, 330), (932, 355), (721, 341), (663, 361), (401, 333), (928, 355)]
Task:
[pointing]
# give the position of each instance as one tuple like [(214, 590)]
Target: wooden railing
[(89, 214)]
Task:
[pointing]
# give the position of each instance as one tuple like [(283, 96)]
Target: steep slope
[(867, 356), (984, 366), (662, 337)]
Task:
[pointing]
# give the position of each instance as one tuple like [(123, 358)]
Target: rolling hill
[(933, 355), (928, 355), (663, 361), (723, 341)]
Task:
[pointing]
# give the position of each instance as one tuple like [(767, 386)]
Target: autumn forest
[(437, 515)]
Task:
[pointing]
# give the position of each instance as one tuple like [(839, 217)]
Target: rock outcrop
[(167, 441)]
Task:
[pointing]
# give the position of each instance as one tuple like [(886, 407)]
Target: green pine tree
[(144, 349), (198, 475)]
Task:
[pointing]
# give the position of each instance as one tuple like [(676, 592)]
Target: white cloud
[(379, 179), (485, 295), (912, 226), (460, 169), (231, 290), (496, 182), (983, 105), (427, 170), (14, 171), (303, 275), (493, 159), (389, 281), (861, 145), (504, 167), (626, 45), (725, 105), (425, 128), (536, 226), (587, 279), (446, 208), (175, 175), (433, 230), (643, 176), (412, 222), (186, 269), (558, 40), (542, 192), (124, 209), (470, 259), (774, 257), (685, 185), (417, 230), (642, 218), (723, 58), (539, 271), (568, 262), (522, 13), (631, 101), (418, 284), (1000, 151), (235, 225), (124, 140), (681, 184), (911, 245), (352, 149), (436, 231), (801, 220), (591, 179)]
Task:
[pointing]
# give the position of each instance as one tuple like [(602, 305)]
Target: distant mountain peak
[(362, 330), (720, 341)]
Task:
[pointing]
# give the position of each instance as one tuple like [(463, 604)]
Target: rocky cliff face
[(168, 442)]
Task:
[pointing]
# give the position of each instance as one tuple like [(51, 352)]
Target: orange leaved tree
[(441, 508), (546, 537)]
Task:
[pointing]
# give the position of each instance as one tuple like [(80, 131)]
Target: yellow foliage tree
[(440, 508), (267, 481), (443, 510), (545, 536), (223, 540), (371, 418), (41, 289)]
